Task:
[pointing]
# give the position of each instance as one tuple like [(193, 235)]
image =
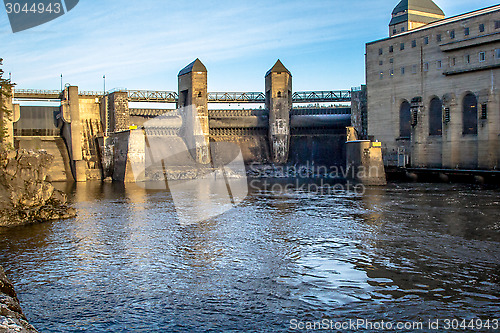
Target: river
[(404, 253)]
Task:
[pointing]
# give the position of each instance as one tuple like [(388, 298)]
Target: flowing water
[(277, 262)]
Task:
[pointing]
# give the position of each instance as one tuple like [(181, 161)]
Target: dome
[(419, 11), (425, 6)]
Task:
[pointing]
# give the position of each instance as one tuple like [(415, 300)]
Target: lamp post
[(106, 125), (61, 82)]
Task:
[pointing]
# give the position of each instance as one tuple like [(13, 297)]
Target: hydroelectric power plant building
[(434, 88)]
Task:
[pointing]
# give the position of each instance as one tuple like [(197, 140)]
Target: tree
[(5, 94)]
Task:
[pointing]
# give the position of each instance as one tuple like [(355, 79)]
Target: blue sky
[(143, 44)]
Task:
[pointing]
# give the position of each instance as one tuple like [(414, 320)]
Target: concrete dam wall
[(96, 136)]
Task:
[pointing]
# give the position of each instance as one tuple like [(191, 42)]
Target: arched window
[(279, 94), (470, 114), (436, 117), (404, 120)]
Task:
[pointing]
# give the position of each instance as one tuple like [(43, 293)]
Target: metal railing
[(152, 96), (213, 97), (90, 93), (236, 97), (35, 92), (242, 97), (321, 96)]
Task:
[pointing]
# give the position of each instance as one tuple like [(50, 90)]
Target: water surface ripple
[(404, 252)]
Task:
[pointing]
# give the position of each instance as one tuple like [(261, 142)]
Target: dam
[(91, 134)]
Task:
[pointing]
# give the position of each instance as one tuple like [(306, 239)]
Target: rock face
[(26, 194), (12, 318)]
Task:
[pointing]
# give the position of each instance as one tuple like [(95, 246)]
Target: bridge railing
[(152, 96), (242, 97), (90, 93), (213, 97), (239, 97), (321, 96), (36, 92)]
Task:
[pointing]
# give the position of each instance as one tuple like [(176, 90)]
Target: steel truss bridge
[(337, 96), (243, 97)]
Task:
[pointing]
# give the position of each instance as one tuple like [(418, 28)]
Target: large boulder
[(12, 318), (25, 194)]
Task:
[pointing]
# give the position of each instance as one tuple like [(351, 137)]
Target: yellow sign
[(133, 127), (376, 144)]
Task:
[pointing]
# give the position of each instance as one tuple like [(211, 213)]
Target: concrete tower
[(70, 106), (193, 105), (412, 14), (279, 104)]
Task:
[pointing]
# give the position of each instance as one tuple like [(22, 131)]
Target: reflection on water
[(125, 264)]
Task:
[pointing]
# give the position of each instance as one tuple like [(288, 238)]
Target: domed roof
[(426, 6)]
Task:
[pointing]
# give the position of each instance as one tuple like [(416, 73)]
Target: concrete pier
[(279, 104), (73, 132), (193, 106), (364, 160)]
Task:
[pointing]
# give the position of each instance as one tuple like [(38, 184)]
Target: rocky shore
[(12, 318), (26, 194)]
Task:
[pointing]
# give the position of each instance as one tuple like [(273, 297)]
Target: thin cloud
[(147, 44)]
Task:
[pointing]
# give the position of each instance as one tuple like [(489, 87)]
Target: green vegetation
[(5, 93)]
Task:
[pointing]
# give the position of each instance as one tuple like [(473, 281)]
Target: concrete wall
[(308, 149), (438, 69), (254, 147), (359, 117), (92, 128), (60, 169), (118, 112), (314, 139), (121, 165), (327, 150)]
